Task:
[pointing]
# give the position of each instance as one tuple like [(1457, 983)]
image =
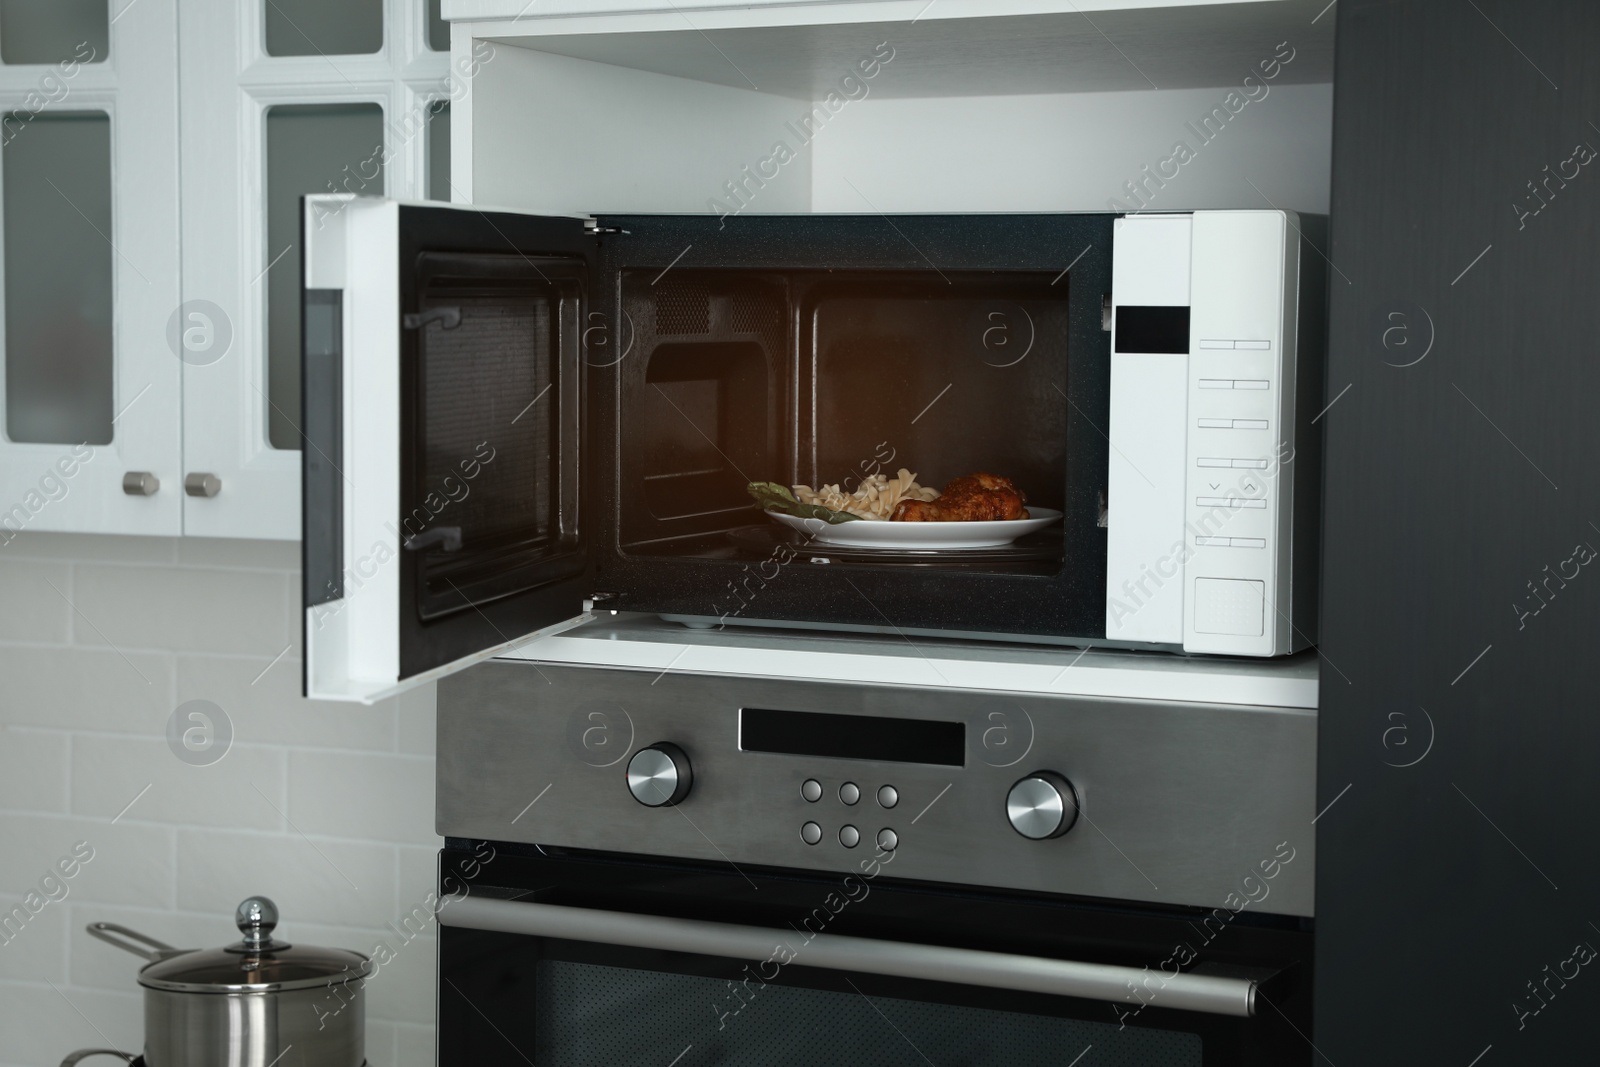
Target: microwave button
[(1211, 542), (1234, 607), (849, 836), (811, 789), (849, 792), (888, 796), (1258, 346), (1216, 424), (811, 833), (1211, 342), (1216, 383), (1248, 542), (1250, 464), (887, 839), (1251, 383), (1249, 424), (1212, 461), (1229, 502)]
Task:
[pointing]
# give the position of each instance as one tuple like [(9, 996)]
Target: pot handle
[(112, 934), (85, 1053)]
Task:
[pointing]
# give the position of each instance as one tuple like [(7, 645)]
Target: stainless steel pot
[(255, 1003)]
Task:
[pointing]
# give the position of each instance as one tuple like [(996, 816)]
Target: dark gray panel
[(1459, 466)]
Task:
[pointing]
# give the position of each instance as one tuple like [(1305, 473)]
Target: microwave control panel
[(1202, 482)]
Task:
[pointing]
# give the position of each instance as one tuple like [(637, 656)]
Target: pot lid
[(255, 964)]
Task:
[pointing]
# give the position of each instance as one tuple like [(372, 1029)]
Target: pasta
[(875, 499)]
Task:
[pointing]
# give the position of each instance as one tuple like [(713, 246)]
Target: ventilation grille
[(682, 308), (751, 314)]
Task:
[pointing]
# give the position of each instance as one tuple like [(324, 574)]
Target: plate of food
[(974, 511)]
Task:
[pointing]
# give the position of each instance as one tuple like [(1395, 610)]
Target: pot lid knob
[(256, 918)]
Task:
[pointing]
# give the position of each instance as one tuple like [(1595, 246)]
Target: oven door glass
[(444, 384), (579, 1004), (570, 962), (592, 1015)]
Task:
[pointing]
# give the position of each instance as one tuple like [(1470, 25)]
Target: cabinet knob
[(198, 483), (140, 483)]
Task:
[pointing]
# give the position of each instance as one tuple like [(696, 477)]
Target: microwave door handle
[(1233, 994), (446, 538)]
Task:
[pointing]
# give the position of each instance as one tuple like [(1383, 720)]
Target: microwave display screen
[(864, 737), (1152, 329)]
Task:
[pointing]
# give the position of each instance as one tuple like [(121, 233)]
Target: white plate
[(920, 536)]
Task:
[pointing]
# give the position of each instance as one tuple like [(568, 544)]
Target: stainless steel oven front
[(665, 867)]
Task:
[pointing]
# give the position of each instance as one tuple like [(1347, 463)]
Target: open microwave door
[(443, 384)]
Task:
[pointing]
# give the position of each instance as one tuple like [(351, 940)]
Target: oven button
[(849, 792), (1042, 805), (887, 839), (811, 833), (811, 789), (888, 797), (849, 836), (659, 776)]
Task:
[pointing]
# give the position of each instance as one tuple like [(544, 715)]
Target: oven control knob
[(1042, 805), (659, 776)]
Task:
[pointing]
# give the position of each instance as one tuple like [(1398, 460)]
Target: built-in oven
[(682, 869), (509, 416), (666, 867)]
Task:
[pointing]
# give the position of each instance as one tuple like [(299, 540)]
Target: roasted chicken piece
[(971, 498)]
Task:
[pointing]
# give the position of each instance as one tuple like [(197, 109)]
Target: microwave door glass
[(444, 398)]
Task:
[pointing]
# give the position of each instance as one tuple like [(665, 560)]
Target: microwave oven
[(512, 419)]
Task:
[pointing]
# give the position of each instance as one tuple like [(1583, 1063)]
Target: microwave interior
[(624, 406)]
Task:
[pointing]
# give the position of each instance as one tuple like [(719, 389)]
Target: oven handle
[(1215, 994)]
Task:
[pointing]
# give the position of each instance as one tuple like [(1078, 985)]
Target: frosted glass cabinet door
[(281, 99), (89, 269)]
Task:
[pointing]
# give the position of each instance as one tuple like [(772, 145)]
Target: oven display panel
[(863, 737)]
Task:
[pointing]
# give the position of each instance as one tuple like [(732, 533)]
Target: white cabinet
[(259, 131), (152, 165), (89, 170)]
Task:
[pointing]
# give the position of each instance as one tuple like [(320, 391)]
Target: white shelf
[(644, 642), (953, 49)]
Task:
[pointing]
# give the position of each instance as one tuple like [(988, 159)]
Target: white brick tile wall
[(41, 1024), (380, 1043), (328, 809), (419, 876), (243, 790), (31, 763), (76, 688), (92, 547), (127, 863), (43, 587), (360, 795), (184, 609), (323, 880), (263, 699), (32, 952), (417, 710), (414, 1046)]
